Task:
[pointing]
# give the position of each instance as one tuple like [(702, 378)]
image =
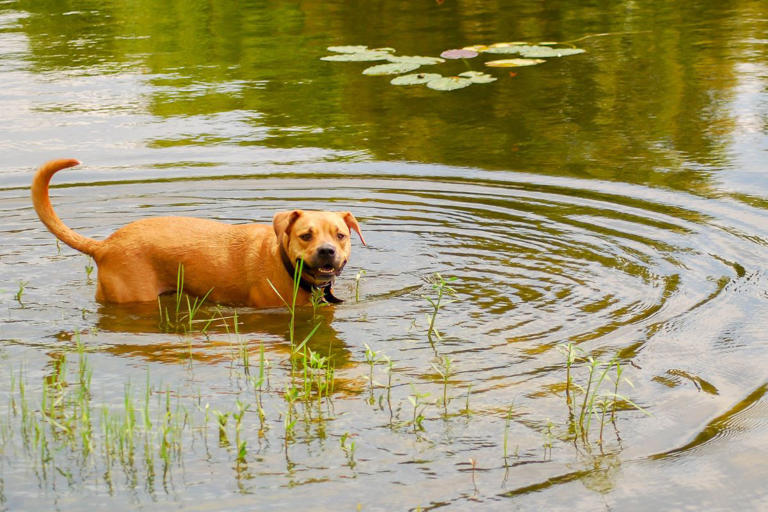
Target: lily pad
[(459, 54), (513, 63), (506, 45), (394, 68), (533, 51), (416, 59), (538, 52), (348, 49), (509, 49), (476, 47), (365, 56), (449, 83), (415, 78), (478, 77)]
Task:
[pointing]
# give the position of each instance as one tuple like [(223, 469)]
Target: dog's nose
[(327, 251)]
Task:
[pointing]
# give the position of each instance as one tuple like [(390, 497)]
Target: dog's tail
[(44, 209)]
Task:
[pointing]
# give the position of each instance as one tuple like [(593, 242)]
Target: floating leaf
[(385, 50), (546, 51), (357, 57), (533, 51), (458, 54), (416, 59), (478, 77), (348, 49), (476, 47), (394, 68), (449, 83), (505, 45), (508, 49), (548, 43), (513, 63), (415, 78)]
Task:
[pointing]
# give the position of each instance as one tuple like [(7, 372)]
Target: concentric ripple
[(673, 285)]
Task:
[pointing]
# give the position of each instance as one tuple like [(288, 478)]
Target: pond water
[(615, 200)]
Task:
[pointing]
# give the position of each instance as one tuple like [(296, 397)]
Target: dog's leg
[(126, 283)]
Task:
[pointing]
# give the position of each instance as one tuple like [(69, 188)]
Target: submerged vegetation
[(62, 429)]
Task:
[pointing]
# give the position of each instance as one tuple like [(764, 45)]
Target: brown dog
[(236, 263)]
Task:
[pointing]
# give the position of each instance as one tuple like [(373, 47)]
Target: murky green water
[(616, 200)]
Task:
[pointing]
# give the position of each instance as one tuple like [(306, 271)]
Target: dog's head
[(320, 239)]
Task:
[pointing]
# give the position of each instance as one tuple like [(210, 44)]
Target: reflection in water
[(646, 107), (212, 336)]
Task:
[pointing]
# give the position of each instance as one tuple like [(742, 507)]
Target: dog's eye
[(341, 236), (306, 237)]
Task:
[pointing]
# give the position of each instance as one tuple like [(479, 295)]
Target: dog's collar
[(305, 285)]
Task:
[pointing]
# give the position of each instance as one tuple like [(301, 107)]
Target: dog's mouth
[(325, 272)]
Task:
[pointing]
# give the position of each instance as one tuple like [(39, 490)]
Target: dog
[(233, 264)]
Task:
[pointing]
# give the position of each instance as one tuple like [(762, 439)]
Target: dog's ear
[(283, 222), (351, 223)]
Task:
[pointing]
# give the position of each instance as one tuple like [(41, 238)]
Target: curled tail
[(44, 209)]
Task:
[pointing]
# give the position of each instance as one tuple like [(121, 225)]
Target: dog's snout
[(326, 250)]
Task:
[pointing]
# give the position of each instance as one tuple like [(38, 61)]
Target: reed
[(358, 278), (570, 351), (507, 423), (89, 269), (349, 450), (419, 404), (467, 411), (596, 401), (445, 369), (240, 443), (548, 438), (297, 348), (371, 359), (444, 295), (20, 291), (184, 321)]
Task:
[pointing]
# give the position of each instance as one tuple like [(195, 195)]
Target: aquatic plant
[(505, 443), (240, 443), (88, 269), (596, 402), (393, 68), (419, 404), (462, 53), (467, 410), (371, 358), (442, 290), (530, 54), (570, 351), (296, 348), (20, 291), (183, 321), (348, 449), (358, 278), (548, 437), (449, 83), (444, 368), (513, 63)]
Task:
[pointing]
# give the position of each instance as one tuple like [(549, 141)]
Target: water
[(615, 200)]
